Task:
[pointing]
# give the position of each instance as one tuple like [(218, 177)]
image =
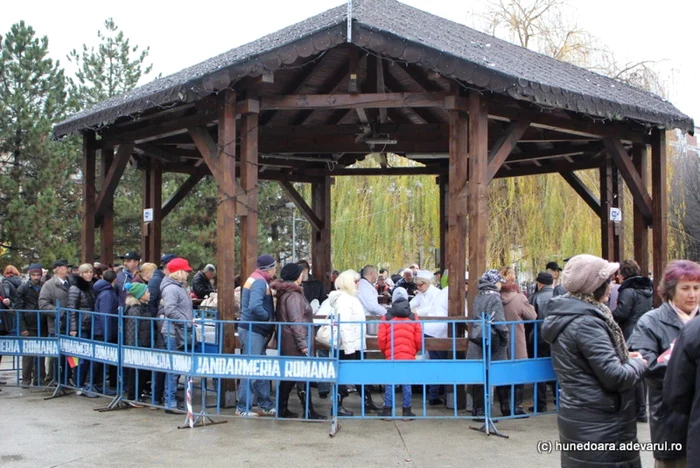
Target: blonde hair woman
[(351, 314), (146, 271)]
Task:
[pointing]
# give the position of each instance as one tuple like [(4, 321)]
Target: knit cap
[(136, 289), (584, 273)]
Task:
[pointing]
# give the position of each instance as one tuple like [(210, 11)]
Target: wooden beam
[(582, 190), (155, 227), (87, 233), (392, 171), (321, 239), (631, 176), (443, 186), (607, 232), (294, 87), (478, 190), (207, 148), (180, 194), (112, 178), (660, 205), (224, 158), (107, 225), (641, 228), (351, 101), (427, 115), (249, 185), (300, 203), (618, 228), (380, 87), (146, 203), (505, 144), (326, 88), (521, 171)]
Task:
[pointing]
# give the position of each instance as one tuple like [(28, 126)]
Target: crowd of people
[(617, 359)]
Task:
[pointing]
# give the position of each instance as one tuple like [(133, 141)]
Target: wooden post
[(478, 190), (641, 228), (606, 197), (226, 232), (457, 212), (321, 239), (659, 205), (88, 223), (443, 188), (156, 197), (107, 226), (249, 184), (146, 203), (618, 228)]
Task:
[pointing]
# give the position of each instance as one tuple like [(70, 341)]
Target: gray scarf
[(618, 336)]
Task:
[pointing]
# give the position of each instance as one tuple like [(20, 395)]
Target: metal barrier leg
[(201, 419), (60, 389)]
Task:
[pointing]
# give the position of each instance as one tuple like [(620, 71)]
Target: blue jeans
[(171, 379), (434, 390), (405, 396), (253, 344)]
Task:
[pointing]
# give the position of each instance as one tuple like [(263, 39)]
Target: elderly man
[(54, 293), (31, 324), (407, 283), (425, 304), (201, 283), (127, 275)]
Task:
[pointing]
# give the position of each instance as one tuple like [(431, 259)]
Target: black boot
[(311, 414), (407, 414), (369, 403), (285, 389), (519, 411), (478, 402), (341, 410), (503, 394)]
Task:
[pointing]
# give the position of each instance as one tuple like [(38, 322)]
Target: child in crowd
[(400, 338)]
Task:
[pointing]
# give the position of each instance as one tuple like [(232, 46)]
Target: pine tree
[(38, 200)]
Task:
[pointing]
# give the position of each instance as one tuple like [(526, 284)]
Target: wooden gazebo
[(305, 103)]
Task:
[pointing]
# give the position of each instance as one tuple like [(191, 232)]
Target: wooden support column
[(107, 226), (641, 228), (659, 205), (606, 198), (321, 239), (155, 226), (145, 204), (457, 212), (618, 228), (478, 189), (87, 233), (442, 182), (249, 184)]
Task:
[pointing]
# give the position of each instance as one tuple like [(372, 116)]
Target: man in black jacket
[(201, 283), (539, 301), (635, 297), (31, 324)]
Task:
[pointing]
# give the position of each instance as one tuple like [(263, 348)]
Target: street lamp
[(292, 206)]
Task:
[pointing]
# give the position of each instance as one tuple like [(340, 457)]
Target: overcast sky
[(183, 34)]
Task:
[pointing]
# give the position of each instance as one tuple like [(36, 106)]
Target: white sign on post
[(148, 215), (616, 215)]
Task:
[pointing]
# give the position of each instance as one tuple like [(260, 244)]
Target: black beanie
[(291, 272)]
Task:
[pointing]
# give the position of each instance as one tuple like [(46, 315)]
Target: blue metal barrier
[(200, 358)]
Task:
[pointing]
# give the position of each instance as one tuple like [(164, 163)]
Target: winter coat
[(313, 289), (516, 309), (80, 297), (154, 292), (410, 286), (54, 292), (539, 301), (348, 309), (106, 321), (400, 336), (489, 300), (28, 299), (682, 385), (201, 285), (635, 297), (257, 305), (136, 335), (8, 290), (597, 397), (123, 277), (176, 305), (559, 290), (653, 335), (292, 306), (426, 305)]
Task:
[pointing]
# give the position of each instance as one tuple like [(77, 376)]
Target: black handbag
[(476, 333)]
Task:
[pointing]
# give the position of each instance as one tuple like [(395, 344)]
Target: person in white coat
[(424, 304), (351, 316), (369, 297)]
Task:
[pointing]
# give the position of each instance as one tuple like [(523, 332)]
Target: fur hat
[(585, 273)]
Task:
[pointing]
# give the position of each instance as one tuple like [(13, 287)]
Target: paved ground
[(67, 432)]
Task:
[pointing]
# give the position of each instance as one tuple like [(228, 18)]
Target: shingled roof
[(404, 33)]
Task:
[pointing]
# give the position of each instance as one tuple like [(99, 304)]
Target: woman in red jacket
[(401, 339)]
